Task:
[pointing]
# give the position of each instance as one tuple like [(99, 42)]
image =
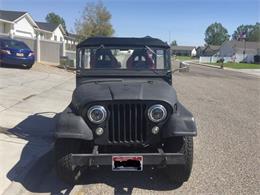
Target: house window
[(55, 37), (41, 35), (61, 39), (5, 28)]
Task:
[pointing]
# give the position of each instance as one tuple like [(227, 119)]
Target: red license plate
[(127, 163)]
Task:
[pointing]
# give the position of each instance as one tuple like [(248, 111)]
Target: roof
[(71, 36), (213, 47), (210, 50), (241, 44), (47, 26), (240, 47), (201, 47), (183, 48), (123, 41), (10, 15)]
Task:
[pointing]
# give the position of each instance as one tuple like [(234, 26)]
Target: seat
[(140, 59), (103, 58)]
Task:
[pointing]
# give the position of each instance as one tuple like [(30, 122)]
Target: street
[(225, 104)]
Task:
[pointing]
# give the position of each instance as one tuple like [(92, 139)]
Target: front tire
[(64, 167), (180, 173)]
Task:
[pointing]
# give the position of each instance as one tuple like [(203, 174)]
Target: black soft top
[(123, 42)]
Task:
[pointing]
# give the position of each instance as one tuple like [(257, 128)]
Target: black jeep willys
[(124, 112)]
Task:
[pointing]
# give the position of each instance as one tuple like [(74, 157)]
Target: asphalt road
[(226, 106)]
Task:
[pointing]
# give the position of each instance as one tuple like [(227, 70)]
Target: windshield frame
[(80, 64)]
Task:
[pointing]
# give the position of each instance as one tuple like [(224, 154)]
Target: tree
[(95, 21), (55, 19), (243, 31), (255, 35), (174, 43), (247, 32), (216, 34)]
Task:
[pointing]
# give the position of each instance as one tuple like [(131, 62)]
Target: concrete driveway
[(226, 106), (29, 100)]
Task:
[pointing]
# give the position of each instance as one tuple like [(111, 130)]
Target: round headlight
[(157, 113), (97, 114)]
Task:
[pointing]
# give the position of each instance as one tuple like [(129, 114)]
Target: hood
[(123, 90)]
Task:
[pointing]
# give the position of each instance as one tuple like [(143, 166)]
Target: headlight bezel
[(152, 108), (100, 108)]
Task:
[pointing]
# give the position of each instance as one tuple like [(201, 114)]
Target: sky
[(182, 20)]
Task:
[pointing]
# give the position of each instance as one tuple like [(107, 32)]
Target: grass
[(239, 65)]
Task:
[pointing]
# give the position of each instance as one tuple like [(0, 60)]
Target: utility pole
[(169, 37), (244, 52), (243, 37)]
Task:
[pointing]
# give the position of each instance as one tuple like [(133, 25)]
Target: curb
[(207, 65), (225, 68)]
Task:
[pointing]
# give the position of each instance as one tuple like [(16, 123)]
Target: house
[(182, 50), (71, 41), (16, 23), (48, 41), (53, 32), (200, 50), (239, 50), (194, 52), (232, 51), (49, 31), (207, 50)]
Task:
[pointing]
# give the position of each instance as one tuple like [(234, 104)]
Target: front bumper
[(18, 61), (95, 159)]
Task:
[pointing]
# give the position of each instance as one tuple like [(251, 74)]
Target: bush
[(220, 61), (257, 59), (66, 62)]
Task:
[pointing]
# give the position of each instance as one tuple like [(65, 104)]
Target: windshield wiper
[(103, 81)]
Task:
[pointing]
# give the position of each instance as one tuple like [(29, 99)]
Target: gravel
[(226, 106)]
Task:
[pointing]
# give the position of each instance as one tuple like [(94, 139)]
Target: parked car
[(13, 52), (124, 112)]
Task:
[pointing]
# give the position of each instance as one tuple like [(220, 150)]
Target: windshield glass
[(124, 58), (14, 44)]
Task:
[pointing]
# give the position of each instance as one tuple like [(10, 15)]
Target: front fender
[(181, 123), (69, 125)]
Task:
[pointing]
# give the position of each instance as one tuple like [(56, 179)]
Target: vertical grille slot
[(127, 122)]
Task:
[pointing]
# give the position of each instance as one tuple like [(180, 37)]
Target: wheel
[(64, 167), (180, 173)]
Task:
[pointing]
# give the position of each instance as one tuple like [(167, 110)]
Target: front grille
[(127, 122)]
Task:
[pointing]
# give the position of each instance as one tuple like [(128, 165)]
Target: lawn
[(239, 65)]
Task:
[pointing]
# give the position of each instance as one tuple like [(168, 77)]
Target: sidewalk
[(255, 72), (29, 101)]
